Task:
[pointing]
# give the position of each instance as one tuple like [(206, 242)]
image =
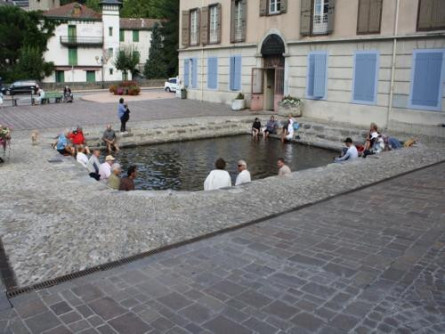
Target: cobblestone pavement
[(369, 261), (85, 113)]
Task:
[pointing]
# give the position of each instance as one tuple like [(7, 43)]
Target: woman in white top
[(81, 157), (288, 133)]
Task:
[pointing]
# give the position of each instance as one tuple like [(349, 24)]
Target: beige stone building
[(352, 61)]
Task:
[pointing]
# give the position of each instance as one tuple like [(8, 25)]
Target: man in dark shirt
[(127, 183), (110, 139)]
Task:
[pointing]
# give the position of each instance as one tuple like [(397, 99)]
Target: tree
[(127, 61), (18, 30), (156, 67), (32, 65), (169, 9)]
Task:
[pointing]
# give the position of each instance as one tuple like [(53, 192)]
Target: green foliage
[(155, 67), (127, 61), (169, 9), (141, 8), (32, 65), (19, 30)]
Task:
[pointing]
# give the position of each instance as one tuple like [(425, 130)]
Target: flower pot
[(238, 105), (295, 111)]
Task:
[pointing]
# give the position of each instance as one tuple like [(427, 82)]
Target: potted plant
[(238, 103), (290, 105)]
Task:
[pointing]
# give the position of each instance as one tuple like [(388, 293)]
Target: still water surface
[(185, 165)]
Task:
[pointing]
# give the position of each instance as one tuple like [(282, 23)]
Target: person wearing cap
[(351, 152), (114, 180), (244, 174), (218, 178), (105, 168), (283, 169)]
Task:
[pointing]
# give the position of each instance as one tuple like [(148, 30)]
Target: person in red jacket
[(77, 138)]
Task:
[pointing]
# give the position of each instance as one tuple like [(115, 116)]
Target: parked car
[(171, 85), (22, 87)]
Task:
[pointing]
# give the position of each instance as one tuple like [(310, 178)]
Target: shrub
[(290, 101), (126, 88), (113, 89), (240, 96)]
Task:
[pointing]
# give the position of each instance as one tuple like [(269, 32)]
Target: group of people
[(73, 143), (220, 178), (272, 126), (375, 143), (40, 95)]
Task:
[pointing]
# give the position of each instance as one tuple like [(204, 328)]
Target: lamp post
[(102, 61)]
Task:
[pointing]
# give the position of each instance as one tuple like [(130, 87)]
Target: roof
[(73, 10), (138, 24)]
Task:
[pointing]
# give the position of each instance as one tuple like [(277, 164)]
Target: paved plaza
[(369, 261), (357, 247)]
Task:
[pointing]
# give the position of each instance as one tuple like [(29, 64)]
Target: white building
[(85, 44)]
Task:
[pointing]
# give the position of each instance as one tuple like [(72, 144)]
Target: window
[(111, 71), (194, 27), (431, 15), (122, 35), (427, 79), (235, 73), (369, 16), (214, 24), (273, 7), (316, 75), (238, 28), (137, 54), (72, 56), (135, 35), (212, 73), (91, 76), (110, 31), (317, 17), (110, 53), (186, 73), (60, 76), (366, 67), (72, 33)]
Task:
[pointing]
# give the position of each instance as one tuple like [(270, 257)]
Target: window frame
[(323, 25), (376, 77), (277, 7), (110, 31), (135, 36), (213, 31), (440, 87), (313, 97), (121, 35), (238, 26), (368, 32), (442, 27)]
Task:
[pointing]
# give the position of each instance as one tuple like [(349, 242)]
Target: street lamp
[(102, 61)]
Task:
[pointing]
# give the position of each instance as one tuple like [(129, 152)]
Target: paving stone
[(175, 301), (84, 310), (228, 288), (105, 329), (87, 292), (259, 326), (162, 324), (60, 308), (318, 290), (29, 308), (196, 313), (339, 270), (70, 317), (307, 321), (306, 260), (106, 308), (41, 322), (59, 330), (222, 325), (281, 310), (253, 298), (344, 322), (129, 323), (79, 326)]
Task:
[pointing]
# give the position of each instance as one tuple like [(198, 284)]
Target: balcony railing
[(81, 41)]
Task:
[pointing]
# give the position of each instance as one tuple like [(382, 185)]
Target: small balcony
[(81, 41)]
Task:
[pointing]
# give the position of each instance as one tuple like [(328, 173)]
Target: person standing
[(122, 113), (244, 174), (283, 169), (218, 178), (127, 183)]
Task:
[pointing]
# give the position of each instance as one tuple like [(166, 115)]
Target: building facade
[(354, 61), (86, 44)]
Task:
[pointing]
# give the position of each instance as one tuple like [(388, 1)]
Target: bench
[(48, 96)]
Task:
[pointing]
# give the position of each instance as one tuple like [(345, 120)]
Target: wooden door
[(257, 99)]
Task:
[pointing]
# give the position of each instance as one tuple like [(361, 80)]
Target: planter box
[(238, 105), (294, 111)]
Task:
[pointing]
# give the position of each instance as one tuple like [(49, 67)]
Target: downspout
[(202, 57), (393, 64)]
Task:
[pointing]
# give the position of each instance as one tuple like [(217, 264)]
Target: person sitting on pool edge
[(244, 174), (271, 127), (127, 183), (351, 152), (62, 146), (110, 139), (218, 178), (288, 130), (256, 128)]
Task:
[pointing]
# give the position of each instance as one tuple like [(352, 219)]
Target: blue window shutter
[(237, 73), (365, 77), (232, 73), (186, 73), (212, 73), (194, 73), (310, 75), (426, 85), (320, 75)]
